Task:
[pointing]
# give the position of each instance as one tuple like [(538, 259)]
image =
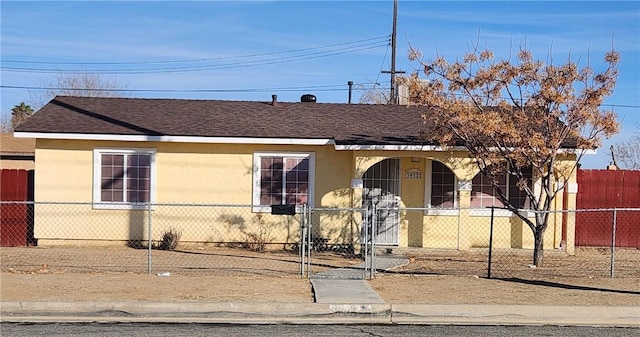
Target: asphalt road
[(197, 330)]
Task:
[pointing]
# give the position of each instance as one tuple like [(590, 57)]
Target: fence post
[(374, 225), (368, 211), (150, 241), (307, 246), (613, 242), (490, 244), (303, 220)]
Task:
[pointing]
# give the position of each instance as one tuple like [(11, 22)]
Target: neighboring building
[(17, 153), (17, 162), (116, 154)]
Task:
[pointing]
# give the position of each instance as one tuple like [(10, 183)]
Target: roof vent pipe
[(350, 84), (274, 100)]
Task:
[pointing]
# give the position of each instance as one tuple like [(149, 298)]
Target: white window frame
[(427, 193), (97, 178), (257, 162)]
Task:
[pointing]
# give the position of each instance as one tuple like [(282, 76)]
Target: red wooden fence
[(608, 189), (16, 220)]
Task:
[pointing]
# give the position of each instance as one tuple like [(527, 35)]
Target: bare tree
[(5, 125), (85, 84), (373, 94), (518, 117), (627, 152)]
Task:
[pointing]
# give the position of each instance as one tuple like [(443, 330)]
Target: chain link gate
[(336, 244)]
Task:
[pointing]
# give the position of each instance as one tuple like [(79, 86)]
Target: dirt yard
[(66, 274)]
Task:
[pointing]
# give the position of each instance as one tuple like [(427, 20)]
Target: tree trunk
[(538, 247)]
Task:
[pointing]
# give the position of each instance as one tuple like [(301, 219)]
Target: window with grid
[(484, 195), (283, 179), (519, 197), (123, 177), (443, 186)]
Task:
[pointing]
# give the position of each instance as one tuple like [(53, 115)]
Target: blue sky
[(245, 50)]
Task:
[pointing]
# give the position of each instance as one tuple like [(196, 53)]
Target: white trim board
[(176, 139), (250, 140)]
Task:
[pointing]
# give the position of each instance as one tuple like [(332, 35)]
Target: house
[(16, 153), (327, 155), (17, 163)]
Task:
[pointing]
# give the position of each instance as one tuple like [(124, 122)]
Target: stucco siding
[(191, 177), (508, 232), (186, 174), (440, 231), (68, 223), (66, 174)]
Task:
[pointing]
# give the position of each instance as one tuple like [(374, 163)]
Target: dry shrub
[(170, 239)]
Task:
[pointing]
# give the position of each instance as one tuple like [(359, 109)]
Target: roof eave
[(176, 139), (392, 147), (252, 140)]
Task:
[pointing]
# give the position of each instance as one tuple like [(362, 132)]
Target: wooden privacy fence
[(16, 220), (605, 190)]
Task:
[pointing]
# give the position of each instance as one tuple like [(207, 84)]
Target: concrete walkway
[(347, 285)]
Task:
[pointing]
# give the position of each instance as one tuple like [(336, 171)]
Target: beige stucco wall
[(185, 174), (210, 174)]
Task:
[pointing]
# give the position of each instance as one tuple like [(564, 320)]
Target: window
[(282, 179), (123, 178), (443, 186), (482, 192), (517, 197), (484, 195)]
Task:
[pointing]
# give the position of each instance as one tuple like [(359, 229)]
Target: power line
[(378, 39), (236, 65), (208, 67), (622, 105), (333, 87)]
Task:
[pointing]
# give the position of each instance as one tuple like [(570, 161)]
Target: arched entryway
[(381, 186)]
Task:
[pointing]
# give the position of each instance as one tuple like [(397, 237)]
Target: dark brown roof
[(344, 123)]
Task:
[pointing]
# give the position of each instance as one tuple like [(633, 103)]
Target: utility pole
[(393, 99)]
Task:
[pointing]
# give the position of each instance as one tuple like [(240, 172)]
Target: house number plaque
[(413, 174)]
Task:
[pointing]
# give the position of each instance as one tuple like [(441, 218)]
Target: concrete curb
[(214, 312), (516, 315), (318, 313)]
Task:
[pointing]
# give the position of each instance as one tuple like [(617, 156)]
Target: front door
[(381, 187)]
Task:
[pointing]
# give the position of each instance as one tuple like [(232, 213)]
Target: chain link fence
[(606, 244), (499, 244), (157, 238), (243, 239)]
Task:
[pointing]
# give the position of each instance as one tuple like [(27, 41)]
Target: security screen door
[(381, 186)]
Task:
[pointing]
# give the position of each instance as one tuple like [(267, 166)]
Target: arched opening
[(381, 187)]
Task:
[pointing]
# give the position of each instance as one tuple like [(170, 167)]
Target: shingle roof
[(344, 123)]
